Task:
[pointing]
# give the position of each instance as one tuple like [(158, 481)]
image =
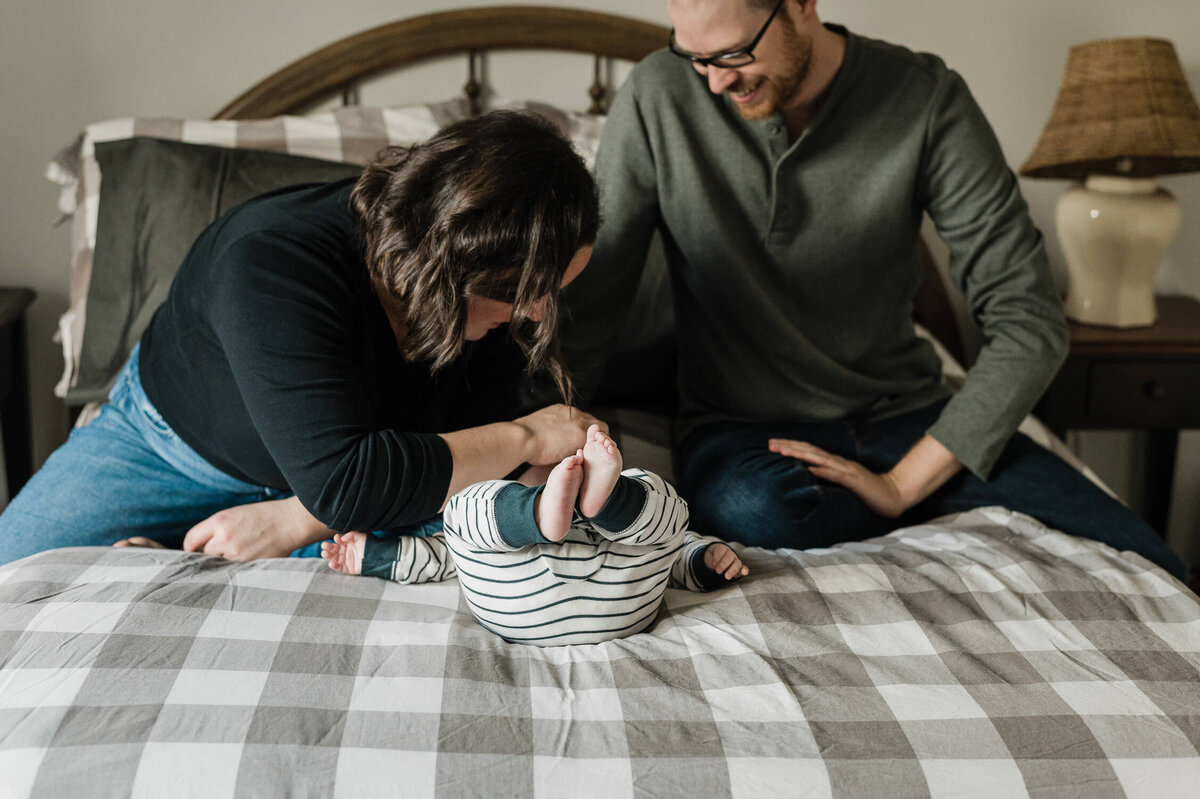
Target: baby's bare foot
[(554, 509), (602, 467), (345, 552)]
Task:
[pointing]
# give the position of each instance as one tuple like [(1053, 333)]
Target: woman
[(310, 367)]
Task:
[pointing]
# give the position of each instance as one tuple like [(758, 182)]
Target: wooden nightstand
[(1137, 379), (15, 418)]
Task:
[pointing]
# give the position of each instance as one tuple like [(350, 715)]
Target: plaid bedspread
[(978, 655)]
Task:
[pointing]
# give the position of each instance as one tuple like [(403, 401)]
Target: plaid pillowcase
[(351, 135)]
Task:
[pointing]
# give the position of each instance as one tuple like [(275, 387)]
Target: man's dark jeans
[(741, 491)]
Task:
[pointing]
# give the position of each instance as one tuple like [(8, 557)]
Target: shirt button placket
[(782, 223)]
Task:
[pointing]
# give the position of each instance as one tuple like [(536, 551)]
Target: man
[(788, 164)]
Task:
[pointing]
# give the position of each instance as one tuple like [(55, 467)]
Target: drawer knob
[(1154, 390)]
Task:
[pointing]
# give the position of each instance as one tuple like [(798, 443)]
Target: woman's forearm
[(485, 453), (306, 528), (481, 453), (543, 438)]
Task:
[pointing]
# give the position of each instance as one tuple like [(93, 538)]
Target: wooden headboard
[(339, 69)]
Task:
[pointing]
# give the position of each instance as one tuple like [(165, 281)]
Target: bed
[(978, 654)]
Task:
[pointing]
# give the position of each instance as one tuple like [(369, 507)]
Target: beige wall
[(64, 63)]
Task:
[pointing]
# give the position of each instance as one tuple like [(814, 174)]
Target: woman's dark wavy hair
[(495, 206)]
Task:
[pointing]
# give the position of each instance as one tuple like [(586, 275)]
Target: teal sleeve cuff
[(623, 507), (380, 555), (515, 520), (706, 578)]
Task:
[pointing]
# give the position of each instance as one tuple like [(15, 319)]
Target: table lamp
[(1123, 116)]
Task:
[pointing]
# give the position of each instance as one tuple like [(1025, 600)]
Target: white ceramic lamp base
[(1114, 232)]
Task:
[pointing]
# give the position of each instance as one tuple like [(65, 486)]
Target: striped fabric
[(410, 560), (596, 585)]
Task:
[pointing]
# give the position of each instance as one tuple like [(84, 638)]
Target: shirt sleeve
[(409, 559), (691, 572), (998, 260), (285, 327), (643, 510)]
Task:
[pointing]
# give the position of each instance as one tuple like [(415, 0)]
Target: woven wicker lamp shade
[(1124, 115), (1124, 108)]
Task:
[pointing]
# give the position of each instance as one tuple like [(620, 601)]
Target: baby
[(582, 559)]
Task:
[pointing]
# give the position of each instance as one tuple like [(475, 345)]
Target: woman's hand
[(492, 451), (922, 471), (555, 432), (271, 529)]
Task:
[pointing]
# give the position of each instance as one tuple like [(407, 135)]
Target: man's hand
[(272, 529), (878, 492), (922, 471)]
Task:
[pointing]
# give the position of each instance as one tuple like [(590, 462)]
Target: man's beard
[(777, 91)]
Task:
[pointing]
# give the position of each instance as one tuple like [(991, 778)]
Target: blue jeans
[(126, 473), (739, 490)]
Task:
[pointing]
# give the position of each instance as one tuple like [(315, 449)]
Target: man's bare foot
[(602, 467), (345, 552), (554, 508), (139, 541)]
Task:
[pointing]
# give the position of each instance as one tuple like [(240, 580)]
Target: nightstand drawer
[(1148, 395)]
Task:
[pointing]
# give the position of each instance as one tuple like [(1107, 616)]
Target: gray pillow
[(156, 198)]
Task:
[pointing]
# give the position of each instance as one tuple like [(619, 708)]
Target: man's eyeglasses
[(730, 60)]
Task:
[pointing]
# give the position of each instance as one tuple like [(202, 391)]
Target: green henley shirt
[(793, 266)]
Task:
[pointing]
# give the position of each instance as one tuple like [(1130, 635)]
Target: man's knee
[(754, 506)]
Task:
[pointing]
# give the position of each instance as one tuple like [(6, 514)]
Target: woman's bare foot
[(139, 541), (554, 508), (602, 467), (345, 552)]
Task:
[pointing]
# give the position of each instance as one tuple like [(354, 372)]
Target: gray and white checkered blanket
[(978, 655)]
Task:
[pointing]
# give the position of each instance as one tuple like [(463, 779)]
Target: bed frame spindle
[(474, 88), (598, 91)]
